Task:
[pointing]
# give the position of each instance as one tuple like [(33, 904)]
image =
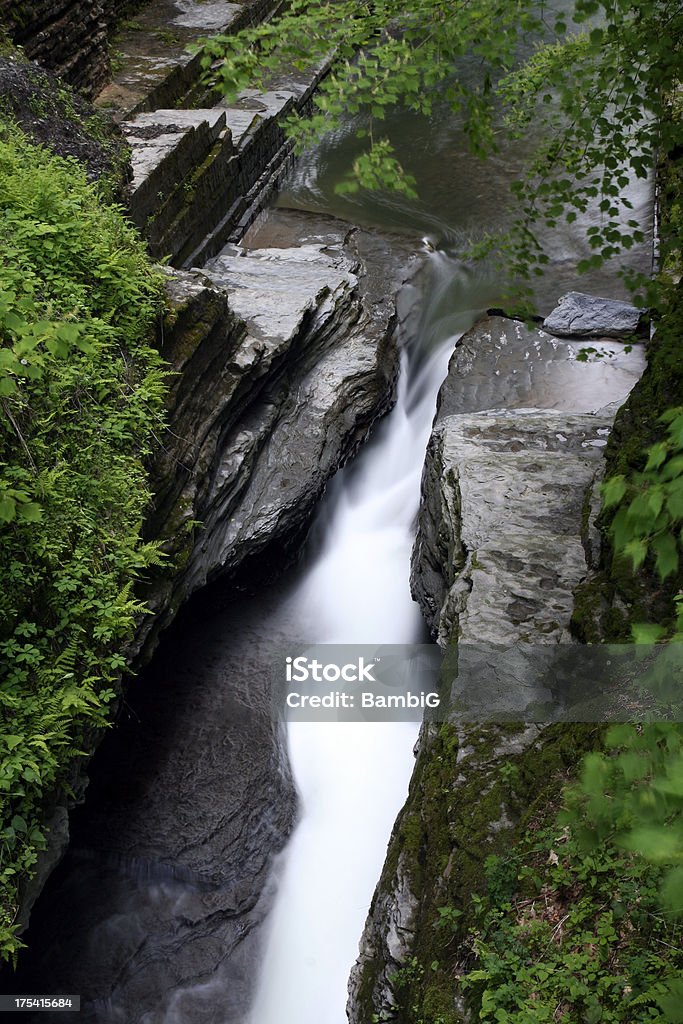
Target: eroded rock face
[(284, 361), (518, 439), (499, 549), (581, 316), (503, 536), (154, 67), (201, 176), (503, 364)]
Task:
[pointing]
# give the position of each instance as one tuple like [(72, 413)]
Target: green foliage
[(599, 84), (448, 919), (81, 394), (371, 170), (581, 938), (629, 797), (650, 513)]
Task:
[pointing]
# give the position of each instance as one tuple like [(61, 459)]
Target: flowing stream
[(353, 777)]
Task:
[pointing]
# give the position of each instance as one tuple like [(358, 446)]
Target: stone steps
[(201, 176), (153, 68), (201, 173)]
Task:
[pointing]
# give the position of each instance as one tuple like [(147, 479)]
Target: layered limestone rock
[(284, 358), (500, 548), (200, 176), (155, 67), (503, 534), (506, 471), (202, 168), (71, 39)]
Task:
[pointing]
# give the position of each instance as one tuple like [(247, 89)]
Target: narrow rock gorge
[(307, 332)]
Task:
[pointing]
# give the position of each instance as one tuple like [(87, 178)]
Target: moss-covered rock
[(473, 792), (613, 597)]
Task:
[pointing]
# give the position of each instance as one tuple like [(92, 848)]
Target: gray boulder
[(581, 316)]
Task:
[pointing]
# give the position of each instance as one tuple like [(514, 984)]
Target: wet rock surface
[(201, 175), (518, 440), (499, 550), (285, 357), (503, 364), (155, 69)]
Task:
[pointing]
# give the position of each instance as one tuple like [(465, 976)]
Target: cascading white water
[(353, 777)]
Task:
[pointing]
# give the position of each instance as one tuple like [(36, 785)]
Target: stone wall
[(70, 38)]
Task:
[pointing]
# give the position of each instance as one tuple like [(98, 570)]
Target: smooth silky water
[(353, 777)]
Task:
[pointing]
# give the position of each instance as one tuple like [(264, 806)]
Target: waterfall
[(353, 777)]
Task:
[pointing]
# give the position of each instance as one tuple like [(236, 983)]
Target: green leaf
[(636, 550), (671, 1001), (666, 552), (69, 333), (647, 633), (672, 890), (30, 512), (674, 499), (8, 506), (8, 360), (658, 843), (12, 741), (13, 323), (657, 455), (613, 490)]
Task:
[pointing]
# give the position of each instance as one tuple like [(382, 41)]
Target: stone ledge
[(166, 147), (155, 68), (202, 175)]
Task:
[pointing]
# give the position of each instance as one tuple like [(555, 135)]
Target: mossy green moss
[(614, 598), (474, 791)]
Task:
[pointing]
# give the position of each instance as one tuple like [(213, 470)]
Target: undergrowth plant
[(81, 393), (579, 936)]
